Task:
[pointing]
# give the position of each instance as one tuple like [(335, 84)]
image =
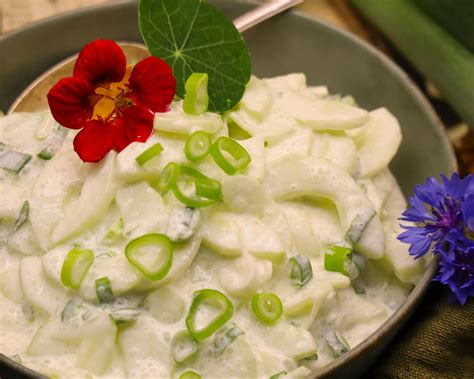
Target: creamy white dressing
[(319, 166)]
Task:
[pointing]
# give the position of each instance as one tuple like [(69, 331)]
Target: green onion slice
[(190, 375), (267, 307), (337, 343), (22, 217), (197, 146), (337, 259), (152, 254), (301, 270), (196, 99), (183, 346), (149, 154), (195, 189), (279, 375), (225, 338), (167, 178), (229, 155), (75, 266), (205, 298), (103, 290)]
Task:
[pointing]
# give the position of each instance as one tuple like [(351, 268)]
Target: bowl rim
[(415, 296)]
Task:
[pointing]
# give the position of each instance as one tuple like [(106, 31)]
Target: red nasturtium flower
[(110, 101)]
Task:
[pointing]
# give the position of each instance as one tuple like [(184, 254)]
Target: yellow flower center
[(112, 98)]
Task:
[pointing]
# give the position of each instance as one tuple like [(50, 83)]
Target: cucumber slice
[(378, 142), (97, 346), (23, 241), (60, 177), (177, 121), (166, 305), (38, 290), (96, 196), (143, 210), (255, 146), (371, 244), (46, 343), (338, 148), (295, 82), (10, 284), (299, 141), (236, 362), (221, 234), (304, 239), (243, 276), (321, 114), (294, 342), (296, 176), (12, 201), (257, 98), (260, 241), (145, 352), (243, 194)]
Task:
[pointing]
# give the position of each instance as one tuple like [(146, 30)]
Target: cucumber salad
[(258, 243)]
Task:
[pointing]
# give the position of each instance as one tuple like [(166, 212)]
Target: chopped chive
[(149, 154), (22, 217), (301, 270), (337, 343), (103, 290), (190, 375), (279, 375)]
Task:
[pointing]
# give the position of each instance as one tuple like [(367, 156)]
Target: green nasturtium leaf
[(194, 36)]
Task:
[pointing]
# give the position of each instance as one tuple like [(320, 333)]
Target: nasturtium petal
[(194, 36)]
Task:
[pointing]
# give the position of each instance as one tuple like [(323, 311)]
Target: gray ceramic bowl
[(289, 43)]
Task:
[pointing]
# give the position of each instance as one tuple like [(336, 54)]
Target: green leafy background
[(194, 36)]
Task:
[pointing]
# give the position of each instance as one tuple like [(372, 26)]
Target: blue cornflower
[(442, 217)]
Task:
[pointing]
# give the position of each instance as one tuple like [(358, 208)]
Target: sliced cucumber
[(297, 176), (142, 208), (261, 241), (98, 343), (338, 148), (12, 201), (294, 342), (255, 146), (371, 244), (243, 276), (96, 196), (23, 241), (378, 142), (166, 305), (295, 82), (38, 290), (222, 234), (10, 284), (304, 239), (299, 141), (243, 194), (177, 121), (321, 114), (257, 98), (145, 353), (60, 177)]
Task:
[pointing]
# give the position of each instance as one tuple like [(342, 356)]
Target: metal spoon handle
[(263, 12)]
